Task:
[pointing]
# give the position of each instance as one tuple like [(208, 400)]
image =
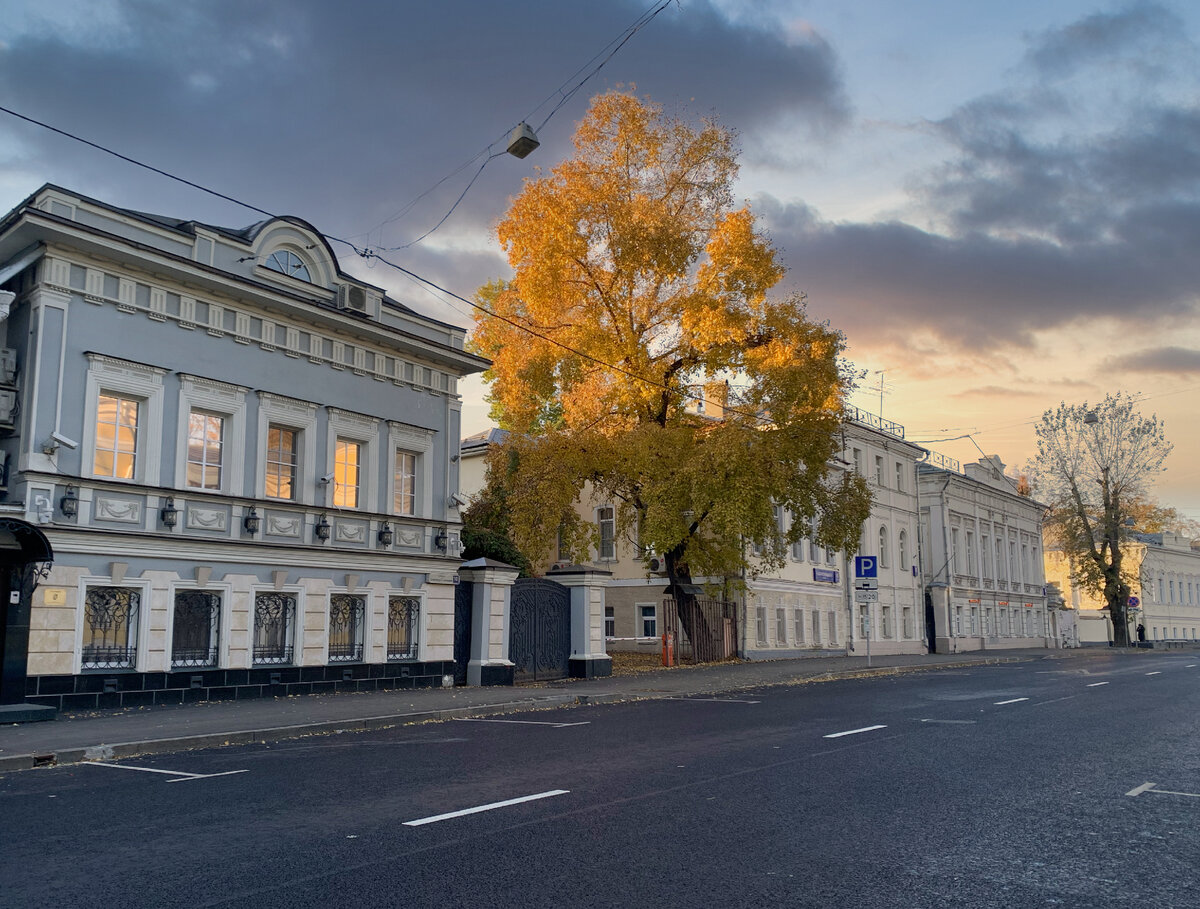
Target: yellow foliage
[(636, 281)]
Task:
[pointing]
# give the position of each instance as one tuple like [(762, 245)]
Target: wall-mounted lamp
[(321, 528), (169, 513), (252, 521), (69, 504), (440, 539), (385, 534)]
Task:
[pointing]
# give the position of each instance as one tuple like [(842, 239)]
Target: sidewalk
[(104, 735)]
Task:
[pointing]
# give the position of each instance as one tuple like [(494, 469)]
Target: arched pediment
[(292, 247)]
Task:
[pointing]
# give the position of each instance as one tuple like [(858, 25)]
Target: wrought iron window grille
[(403, 613), (346, 613), (274, 619), (196, 633), (110, 628)]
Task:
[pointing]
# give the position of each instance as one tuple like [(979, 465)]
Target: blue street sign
[(865, 567)]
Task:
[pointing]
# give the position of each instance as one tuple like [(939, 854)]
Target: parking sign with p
[(865, 567)]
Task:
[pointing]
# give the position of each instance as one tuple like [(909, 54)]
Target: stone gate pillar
[(588, 658), (491, 592)]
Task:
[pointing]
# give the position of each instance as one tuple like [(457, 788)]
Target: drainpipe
[(949, 557), (919, 610)]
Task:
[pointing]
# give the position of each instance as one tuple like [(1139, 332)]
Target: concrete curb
[(362, 724)]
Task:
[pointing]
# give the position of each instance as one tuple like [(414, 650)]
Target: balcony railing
[(874, 421)]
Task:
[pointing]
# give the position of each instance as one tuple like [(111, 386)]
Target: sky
[(999, 205)]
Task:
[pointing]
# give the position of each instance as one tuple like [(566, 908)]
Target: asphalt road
[(1018, 785)]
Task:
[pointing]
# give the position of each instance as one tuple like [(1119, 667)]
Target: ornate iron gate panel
[(539, 640), (462, 630)]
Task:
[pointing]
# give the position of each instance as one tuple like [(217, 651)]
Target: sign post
[(866, 591)]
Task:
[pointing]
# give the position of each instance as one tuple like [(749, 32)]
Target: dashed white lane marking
[(476, 810), (1134, 793), (713, 700), (1190, 666), (1010, 701), (176, 773), (1097, 684), (838, 735), (952, 722), (1154, 673), (471, 719)]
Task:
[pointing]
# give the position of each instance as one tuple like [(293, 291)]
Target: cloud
[(992, 392), (1061, 203), (1160, 360)]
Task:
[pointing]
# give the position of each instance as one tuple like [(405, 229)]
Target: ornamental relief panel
[(200, 518), (125, 511)]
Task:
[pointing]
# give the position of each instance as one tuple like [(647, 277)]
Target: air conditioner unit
[(561, 564), (8, 366), (656, 563), (352, 298)]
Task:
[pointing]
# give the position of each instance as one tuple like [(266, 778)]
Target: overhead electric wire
[(620, 41)]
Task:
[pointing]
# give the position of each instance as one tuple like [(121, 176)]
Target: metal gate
[(539, 640), (462, 630)]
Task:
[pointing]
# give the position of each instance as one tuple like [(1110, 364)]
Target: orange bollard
[(668, 649)]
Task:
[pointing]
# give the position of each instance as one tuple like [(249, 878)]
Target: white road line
[(1053, 700), (713, 700), (452, 814), (952, 722), (1190, 666), (1191, 795), (1134, 793), (1011, 701), (1154, 673), (838, 735), (143, 769), (182, 777), (1097, 684), (471, 719)]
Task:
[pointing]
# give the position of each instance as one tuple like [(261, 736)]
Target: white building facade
[(982, 559)]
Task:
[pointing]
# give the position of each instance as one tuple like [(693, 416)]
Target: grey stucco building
[(244, 460)]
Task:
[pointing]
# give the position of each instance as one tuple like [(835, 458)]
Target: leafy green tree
[(1093, 468)]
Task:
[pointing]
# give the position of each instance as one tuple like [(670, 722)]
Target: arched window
[(288, 263), (883, 547), (902, 548)]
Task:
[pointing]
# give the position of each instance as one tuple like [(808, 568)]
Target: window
[(814, 551), (610, 622), (908, 622), (403, 613), (346, 613), (405, 489), (216, 424), (281, 463), (122, 435), (780, 626), (286, 451), (816, 627), (799, 622), (116, 437), (649, 616), (760, 625), (274, 621), (970, 569), (798, 551), (831, 626), (864, 621), (288, 263), (883, 548), (879, 469), (955, 557), (958, 619), (110, 623), (347, 464), (985, 547), (857, 457), (606, 519), (205, 444), (885, 621), (999, 560), (195, 629), (900, 476), (902, 551)]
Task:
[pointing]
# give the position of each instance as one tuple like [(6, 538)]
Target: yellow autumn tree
[(635, 352)]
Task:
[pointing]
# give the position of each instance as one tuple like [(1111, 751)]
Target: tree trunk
[(691, 617)]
